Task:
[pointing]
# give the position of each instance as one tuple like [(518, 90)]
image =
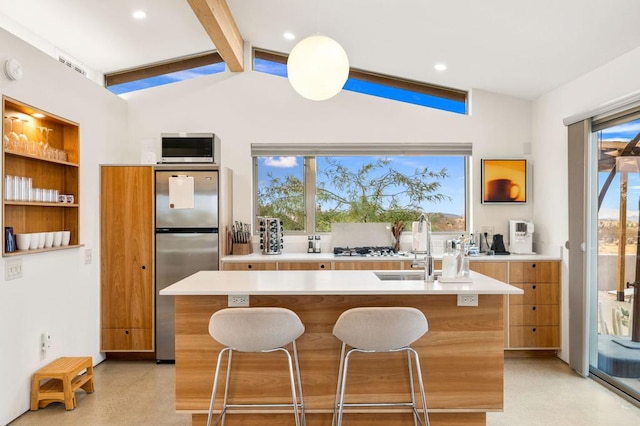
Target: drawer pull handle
[(126, 332), (533, 287), (321, 266), (534, 330), (249, 266), (533, 266), (534, 308)]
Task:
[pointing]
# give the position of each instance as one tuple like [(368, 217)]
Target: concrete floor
[(538, 391)]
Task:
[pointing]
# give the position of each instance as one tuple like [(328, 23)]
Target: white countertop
[(329, 257), (325, 283)]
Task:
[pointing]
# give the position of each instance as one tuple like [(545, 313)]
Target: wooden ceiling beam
[(216, 18)]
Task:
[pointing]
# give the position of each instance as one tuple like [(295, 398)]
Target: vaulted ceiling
[(517, 48)]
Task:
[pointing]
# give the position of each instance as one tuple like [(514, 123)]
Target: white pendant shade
[(318, 68)]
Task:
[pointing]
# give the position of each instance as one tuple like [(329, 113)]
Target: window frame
[(309, 152)]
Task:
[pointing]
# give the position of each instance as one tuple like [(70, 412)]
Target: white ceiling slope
[(514, 47)]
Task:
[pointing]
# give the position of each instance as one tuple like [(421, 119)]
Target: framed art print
[(504, 181)]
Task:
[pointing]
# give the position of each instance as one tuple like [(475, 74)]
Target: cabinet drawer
[(497, 270), (536, 294), (127, 339), (534, 315), (367, 266), (539, 272), (249, 266), (547, 336), (304, 266)]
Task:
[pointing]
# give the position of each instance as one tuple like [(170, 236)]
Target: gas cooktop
[(378, 251)]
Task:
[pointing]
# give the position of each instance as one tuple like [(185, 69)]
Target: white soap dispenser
[(449, 262)]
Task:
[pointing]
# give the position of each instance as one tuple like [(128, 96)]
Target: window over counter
[(311, 186)]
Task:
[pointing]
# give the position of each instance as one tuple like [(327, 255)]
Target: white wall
[(257, 107), (611, 81), (58, 292)]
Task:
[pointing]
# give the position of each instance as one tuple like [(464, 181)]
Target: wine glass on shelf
[(14, 140), (42, 145), (23, 139), (49, 151), (5, 136)]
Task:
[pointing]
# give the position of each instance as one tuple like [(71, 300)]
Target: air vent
[(72, 65)]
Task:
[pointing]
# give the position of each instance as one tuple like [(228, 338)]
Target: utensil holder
[(241, 248)]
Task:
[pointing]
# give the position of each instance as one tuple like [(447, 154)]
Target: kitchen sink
[(400, 276)]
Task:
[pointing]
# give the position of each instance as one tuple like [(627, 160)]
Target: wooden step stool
[(64, 379)]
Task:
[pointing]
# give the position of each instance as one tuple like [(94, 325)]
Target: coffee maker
[(521, 237)]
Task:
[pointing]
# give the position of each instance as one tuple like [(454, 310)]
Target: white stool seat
[(257, 330), (380, 329)]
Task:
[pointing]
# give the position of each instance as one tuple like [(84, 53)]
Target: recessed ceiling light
[(139, 14), (440, 67), (38, 115), (288, 36)]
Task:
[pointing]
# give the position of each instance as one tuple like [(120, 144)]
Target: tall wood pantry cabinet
[(126, 244)]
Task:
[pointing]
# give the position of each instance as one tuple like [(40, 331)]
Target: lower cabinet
[(304, 266), (534, 317), (126, 258), (249, 266)]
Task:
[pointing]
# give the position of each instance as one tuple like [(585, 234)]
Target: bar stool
[(375, 330), (257, 330)]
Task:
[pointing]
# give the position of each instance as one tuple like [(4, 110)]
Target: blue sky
[(611, 203)]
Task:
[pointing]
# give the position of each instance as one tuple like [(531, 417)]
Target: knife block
[(241, 248)]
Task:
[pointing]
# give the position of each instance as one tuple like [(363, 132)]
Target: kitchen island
[(461, 355)]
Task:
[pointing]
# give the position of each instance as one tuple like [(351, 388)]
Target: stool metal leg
[(297, 366), (215, 383), (298, 408), (338, 385), (421, 383), (412, 390), (342, 383)]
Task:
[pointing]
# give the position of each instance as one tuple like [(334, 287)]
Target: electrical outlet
[(13, 269), (467, 300), (45, 341), (238, 300), (88, 256)]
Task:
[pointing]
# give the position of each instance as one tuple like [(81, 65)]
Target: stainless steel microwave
[(190, 148)]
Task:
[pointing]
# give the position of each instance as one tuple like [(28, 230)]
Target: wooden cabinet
[(252, 266), (126, 261), (51, 166), (534, 317), (366, 266), (304, 266)]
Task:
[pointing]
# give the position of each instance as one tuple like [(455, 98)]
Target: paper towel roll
[(419, 241)]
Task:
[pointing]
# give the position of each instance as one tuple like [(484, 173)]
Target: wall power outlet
[(238, 300), (467, 300)]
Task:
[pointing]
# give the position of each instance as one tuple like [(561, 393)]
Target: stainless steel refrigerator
[(187, 239)]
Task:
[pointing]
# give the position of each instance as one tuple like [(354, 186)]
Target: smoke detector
[(13, 69)]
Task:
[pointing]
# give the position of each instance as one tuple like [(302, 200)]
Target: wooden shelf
[(40, 204), (42, 250), (37, 157), (63, 176)]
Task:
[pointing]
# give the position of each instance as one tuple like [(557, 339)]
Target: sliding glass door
[(614, 353)]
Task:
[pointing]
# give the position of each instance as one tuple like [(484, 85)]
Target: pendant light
[(318, 68)]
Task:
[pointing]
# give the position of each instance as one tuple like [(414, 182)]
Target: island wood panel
[(461, 356)]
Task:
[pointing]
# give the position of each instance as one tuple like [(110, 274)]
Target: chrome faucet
[(425, 262)]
